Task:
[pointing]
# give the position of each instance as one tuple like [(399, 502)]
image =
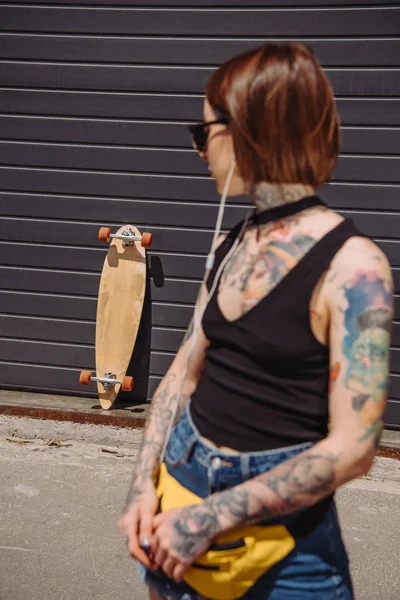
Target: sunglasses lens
[(199, 136)]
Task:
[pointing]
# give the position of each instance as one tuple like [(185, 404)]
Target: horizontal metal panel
[(160, 363), (218, 3), (52, 282), (154, 381), (83, 333), (184, 51), (77, 234), (168, 315), (165, 240), (61, 355), (361, 140), (143, 213), (79, 332), (254, 22), (102, 104), (166, 340), (143, 160), (169, 340), (365, 168), (68, 307), (90, 259), (353, 111), (57, 282), (43, 378), (392, 251), (394, 386), (79, 284), (345, 81), (358, 196), (95, 131), (395, 336), (55, 380), (167, 188), (65, 355), (50, 330), (369, 111), (171, 161), (51, 257), (392, 414), (364, 140), (47, 305), (376, 224)]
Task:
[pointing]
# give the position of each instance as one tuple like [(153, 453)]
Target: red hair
[(283, 117)]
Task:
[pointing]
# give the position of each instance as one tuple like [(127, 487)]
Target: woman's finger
[(160, 556), (169, 566), (158, 520), (179, 571), (133, 542), (146, 528)]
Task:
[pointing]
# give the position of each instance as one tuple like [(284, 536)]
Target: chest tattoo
[(255, 273)]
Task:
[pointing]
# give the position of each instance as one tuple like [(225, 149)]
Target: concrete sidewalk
[(61, 500)]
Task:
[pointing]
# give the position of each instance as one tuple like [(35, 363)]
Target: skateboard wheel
[(127, 384), (85, 377), (104, 234), (146, 240)]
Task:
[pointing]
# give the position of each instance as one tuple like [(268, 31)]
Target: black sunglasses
[(200, 131)]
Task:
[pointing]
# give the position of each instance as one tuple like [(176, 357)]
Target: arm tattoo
[(367, 320), (294, 485), (163, 407)]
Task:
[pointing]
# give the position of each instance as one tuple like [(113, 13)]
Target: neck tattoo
[(269, 195)]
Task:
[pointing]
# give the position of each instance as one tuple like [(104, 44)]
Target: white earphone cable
[(198, 313)]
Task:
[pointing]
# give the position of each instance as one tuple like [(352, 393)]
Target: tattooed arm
[(141, 503), (359, 303)]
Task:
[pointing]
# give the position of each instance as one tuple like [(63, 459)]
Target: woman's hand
[(180, 536), (137, 519)]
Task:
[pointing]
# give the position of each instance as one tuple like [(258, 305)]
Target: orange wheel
[(104, 234), (147, 239), (85, 377), (127, 384)]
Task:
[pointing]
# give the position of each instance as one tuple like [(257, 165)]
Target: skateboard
[(119, 310)]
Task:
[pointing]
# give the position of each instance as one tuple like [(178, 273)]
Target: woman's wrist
[(230, 508)]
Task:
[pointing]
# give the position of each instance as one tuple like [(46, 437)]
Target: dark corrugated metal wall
[(93, 104)]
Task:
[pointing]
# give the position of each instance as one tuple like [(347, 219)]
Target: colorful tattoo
[(367, 321), (333, 375), (255, 275)]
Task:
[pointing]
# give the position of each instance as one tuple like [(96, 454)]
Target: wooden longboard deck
[(119, 309)]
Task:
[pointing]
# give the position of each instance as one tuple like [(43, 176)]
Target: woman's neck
[(269, 195)]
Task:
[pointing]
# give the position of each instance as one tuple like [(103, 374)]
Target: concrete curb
[(25, 428)]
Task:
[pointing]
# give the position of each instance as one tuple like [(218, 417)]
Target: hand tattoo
[(194, 530)]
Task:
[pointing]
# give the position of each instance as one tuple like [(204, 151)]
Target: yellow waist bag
[(236, 559)]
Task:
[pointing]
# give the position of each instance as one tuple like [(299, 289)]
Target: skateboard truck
[(127, 237), (109, 381)]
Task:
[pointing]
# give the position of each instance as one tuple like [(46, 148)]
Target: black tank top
[(265, 378)]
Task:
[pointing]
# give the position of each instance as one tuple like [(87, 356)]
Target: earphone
[(198, 313)]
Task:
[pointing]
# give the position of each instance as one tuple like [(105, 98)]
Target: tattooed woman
[(283, 399)]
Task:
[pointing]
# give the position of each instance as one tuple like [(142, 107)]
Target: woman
[(284, 395)]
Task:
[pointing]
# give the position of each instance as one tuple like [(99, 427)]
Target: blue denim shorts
[(317, 568)]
